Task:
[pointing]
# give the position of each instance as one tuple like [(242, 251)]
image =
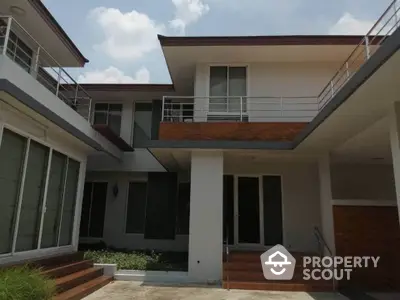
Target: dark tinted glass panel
[(135, 216)]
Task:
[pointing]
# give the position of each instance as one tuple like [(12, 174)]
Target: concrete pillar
[(206, 222), (327, 229), (395, 146)]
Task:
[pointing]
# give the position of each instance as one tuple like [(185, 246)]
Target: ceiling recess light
[(16, 10)]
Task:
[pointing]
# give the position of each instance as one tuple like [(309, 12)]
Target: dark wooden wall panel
[(370, 231), (230, 131)]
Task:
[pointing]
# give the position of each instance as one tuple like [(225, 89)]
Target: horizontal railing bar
[(43, 66)]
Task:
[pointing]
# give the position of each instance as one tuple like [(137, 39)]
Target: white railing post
[(36, 66), (241, 109), (58, 81), (7, 36), (332, 93), (76, 95), (367, 50), (162, 108), (90, 111), (281, 106), (347, 69), (396, 19)]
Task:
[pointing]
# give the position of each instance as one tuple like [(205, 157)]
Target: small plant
[(22, 283), (138, 260)]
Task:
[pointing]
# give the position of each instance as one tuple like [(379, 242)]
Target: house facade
[(259, 141)]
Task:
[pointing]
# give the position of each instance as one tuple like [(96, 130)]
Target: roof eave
[(284, 40), (51, 21)]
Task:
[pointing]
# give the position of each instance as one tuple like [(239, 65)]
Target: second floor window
[(108, 114), (227, 85), (17, 50)]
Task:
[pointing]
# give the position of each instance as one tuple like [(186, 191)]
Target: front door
[(248, 211)]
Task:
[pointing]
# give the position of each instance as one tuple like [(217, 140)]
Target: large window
[(32, 199), (136, 210), (142, 123), (38, 195), (228, 88), (12, 153), (93, 209), (108, 114)]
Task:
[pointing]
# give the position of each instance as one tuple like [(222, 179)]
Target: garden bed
[(140, 260)]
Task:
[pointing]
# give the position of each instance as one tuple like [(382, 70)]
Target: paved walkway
[(125, 290)]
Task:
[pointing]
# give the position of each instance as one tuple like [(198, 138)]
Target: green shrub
[(22, 283), (137, 260)]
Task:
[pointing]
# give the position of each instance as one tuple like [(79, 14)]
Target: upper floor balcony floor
[(33, 75)]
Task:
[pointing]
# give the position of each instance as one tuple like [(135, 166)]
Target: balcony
[(33, 82), (22, 48), (268, 118), (235, 118)]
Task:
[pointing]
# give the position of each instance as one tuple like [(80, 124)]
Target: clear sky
[(119, 37)]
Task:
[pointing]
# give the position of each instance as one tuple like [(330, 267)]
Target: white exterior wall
[(206, 221), (273, 80), (300, 198), (116, 213), (327, 225), (15, 74), (363, 182)]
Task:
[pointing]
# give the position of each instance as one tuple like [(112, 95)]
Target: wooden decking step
[(69, 268), (84, 289), (73, 280)]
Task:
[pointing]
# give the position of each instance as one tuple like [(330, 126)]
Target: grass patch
[(140, 260), (22, 283)]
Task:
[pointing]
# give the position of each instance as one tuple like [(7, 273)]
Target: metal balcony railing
[(238, 109), (376, 36), (17, 44), (267, 109)]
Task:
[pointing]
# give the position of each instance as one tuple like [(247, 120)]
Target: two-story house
[(258, 141), (238, 154)]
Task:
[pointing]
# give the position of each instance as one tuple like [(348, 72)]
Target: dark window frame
[(142, 231), (108, 112)]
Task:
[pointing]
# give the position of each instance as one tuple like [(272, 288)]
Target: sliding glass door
[(39, 190), (32, 199), (55, 192), (228, 91), (12, 153)]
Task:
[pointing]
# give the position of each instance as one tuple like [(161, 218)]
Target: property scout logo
[(279, 264)]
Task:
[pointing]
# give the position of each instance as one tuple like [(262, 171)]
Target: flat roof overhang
[(182, 54), (24, 100), (125, 92), (366, 98), (43, 27)]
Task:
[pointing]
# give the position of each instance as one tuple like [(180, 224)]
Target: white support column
[(78, 205), (206, 221), (395, 145), (328, 230)]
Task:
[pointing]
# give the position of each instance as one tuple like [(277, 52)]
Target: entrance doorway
[(248, 211), (253, 215)]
